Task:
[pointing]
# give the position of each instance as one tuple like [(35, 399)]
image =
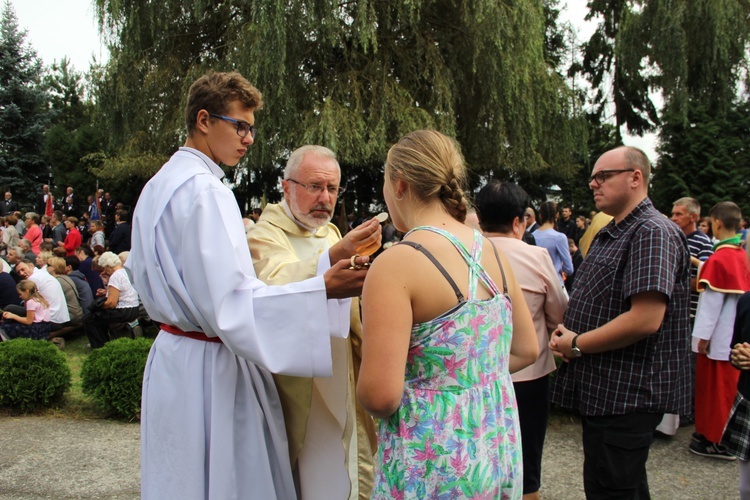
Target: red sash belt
[(193, 335)]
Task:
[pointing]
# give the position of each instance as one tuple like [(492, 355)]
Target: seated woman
[(445, 324), (120, 306), (35, 323), (10, 234), (42, 258), (56, 266)]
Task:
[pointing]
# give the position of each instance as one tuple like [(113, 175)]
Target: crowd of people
[(56, 265), (271, 379)]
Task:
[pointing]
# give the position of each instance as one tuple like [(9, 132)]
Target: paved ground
[(56, 458)]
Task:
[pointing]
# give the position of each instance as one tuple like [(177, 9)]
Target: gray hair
[(692, 205), (24, 243), (18, 251), (33, 216), (109, 259), (295, 159), (124, 256)]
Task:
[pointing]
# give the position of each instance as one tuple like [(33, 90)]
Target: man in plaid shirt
[(626, 334)]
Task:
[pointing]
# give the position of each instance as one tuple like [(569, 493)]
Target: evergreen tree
[(23, 112), (72, 135), (354, 76), (615, 65), (701, 49), (706, 158)]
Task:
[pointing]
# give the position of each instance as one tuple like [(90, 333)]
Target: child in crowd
[(722, 279), (35, 325)]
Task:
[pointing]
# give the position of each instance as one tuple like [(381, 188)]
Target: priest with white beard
[(331, 438)]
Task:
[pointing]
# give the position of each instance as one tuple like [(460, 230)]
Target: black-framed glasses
[(317, 189), (243, 128), (602, 175)]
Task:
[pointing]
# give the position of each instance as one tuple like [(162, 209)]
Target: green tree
[(701, 49), (615, 65), (706, 158), (23, 112), (354, 76), (72, 135)]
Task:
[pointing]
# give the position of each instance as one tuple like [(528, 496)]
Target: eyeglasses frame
[(317, 189), (250, 128), (605, 174)]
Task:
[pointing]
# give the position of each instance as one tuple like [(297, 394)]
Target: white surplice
[(211, 421)]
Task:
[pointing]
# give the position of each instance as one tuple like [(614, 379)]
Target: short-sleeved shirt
[(128, 295), (41, 313), (701, 248), (644, 252)]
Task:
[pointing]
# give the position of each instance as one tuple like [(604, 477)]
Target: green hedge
[(113, 375), (33, 374)]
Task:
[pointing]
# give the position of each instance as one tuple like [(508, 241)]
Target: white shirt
[(714, 321), (51, 290), (128, 296), (211, 422)]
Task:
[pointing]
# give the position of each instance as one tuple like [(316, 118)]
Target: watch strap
[(574, 346)]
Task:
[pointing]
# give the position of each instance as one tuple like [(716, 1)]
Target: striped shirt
[(700, 247), (644, 252)]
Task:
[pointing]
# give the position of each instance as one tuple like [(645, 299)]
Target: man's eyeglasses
[(317, 189), (243, 128), (602, 175)]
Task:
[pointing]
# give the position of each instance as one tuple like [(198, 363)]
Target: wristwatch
[(574, 350)]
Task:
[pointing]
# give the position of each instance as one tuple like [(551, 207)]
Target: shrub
[(33, 374), (113, 375)]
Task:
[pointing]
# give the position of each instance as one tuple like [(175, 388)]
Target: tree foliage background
[(354, 76), (693, 54), (526, 100), (23, 111)]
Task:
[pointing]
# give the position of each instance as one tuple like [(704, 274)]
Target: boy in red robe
[(722, 279)]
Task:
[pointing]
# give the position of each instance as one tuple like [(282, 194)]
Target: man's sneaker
[(711, 450)]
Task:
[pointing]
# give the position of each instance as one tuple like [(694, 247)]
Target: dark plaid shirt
[(645, 252)]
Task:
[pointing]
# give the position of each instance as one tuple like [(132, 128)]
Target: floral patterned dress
[(456, 433)]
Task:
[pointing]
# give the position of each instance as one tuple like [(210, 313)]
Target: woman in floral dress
[(445, 323)]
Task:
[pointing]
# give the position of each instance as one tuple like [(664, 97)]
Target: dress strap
[(440, 267), (473, 258)]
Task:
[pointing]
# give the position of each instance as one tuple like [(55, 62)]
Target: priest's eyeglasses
[(317, 189), (243, 128), (602, 175)]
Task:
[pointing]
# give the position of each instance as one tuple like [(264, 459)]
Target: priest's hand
[(362, 240), (345, 278)]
